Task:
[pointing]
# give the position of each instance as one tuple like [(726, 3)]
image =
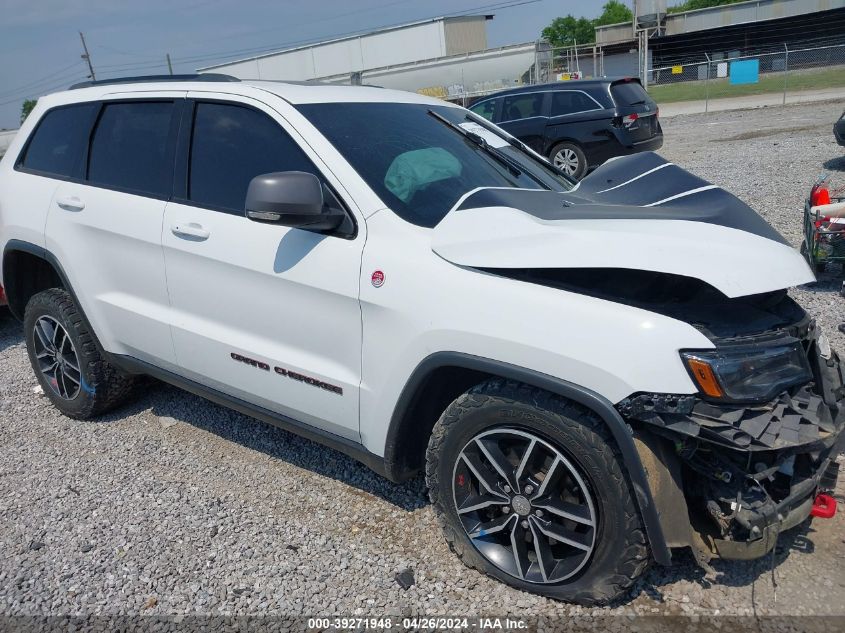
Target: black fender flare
[(47, 256), (621, 431), (15, 245)]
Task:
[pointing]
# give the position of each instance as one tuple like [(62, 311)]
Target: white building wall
[(426, 40), (296, 66), (453, 76), (6, 137), (338, 57), (401, 46)]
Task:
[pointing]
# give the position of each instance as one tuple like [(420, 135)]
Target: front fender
[(621, 431)]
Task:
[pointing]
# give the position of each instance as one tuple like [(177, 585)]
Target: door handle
[(190, 231), (71, 203)]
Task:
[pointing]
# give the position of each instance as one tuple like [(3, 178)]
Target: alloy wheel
[(524, 506), (57, 359), (567, 161)]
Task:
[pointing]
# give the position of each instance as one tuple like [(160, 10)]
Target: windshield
[(418, 163)]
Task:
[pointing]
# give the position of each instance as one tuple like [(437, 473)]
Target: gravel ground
[(173, 505)]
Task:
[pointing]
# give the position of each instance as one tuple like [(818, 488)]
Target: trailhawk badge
[(378, 279)]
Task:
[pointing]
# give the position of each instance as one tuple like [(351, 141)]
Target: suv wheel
[(67, 360), (570, 159), (530, 489)]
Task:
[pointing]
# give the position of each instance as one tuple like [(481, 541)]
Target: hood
[(637, 212)]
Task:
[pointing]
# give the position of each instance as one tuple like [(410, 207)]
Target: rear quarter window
[(57, 145), (571, 101), (628, 93)]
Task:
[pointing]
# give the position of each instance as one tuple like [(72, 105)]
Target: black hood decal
[(643, 186)]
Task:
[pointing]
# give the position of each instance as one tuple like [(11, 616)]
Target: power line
[(116, 73), (334, 16), (111, 69), (47, 90), (50, 77)]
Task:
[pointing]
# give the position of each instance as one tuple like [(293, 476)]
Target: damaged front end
[(744, 471)]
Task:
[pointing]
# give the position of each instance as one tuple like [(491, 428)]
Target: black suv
[(578, 124)]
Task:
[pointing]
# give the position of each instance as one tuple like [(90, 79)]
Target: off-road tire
[(621, 551), (576, 149), (103, 385)]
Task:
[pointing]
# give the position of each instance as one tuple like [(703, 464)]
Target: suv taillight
[(2, 296), (630, 119)]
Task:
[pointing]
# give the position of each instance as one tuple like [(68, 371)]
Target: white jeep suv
[(590, 375)]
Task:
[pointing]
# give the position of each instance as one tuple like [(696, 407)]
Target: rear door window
[(485, 109), (231, 145), (131, 148), (570, 102), (522, 106), (58, 144)]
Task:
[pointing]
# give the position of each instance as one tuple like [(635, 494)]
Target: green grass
[(769, 83)]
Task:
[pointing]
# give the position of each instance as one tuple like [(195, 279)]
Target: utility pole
[(87, 56), (169, 65)]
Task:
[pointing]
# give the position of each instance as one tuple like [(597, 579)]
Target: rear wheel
[(570, 159), (67, 360), (530, 489)]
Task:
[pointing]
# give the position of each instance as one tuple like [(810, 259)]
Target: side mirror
[(291, 198)]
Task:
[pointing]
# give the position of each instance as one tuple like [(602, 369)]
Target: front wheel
[(570, 159), (530, 489)]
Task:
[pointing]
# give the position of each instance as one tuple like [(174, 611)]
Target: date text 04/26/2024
[(417, 623)]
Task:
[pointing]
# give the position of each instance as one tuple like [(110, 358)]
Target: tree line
[(569, 30)]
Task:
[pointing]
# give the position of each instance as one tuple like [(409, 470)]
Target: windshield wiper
[(542, 161), (481, 142)]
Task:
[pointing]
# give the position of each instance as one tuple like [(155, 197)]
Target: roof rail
[(211, 77)]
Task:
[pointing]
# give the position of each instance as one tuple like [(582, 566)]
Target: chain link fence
[(773, 76), (583, 61)]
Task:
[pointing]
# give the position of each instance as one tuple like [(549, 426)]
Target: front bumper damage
[(744, 473)]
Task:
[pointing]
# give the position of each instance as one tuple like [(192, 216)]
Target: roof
[(572, 84), (292, 92)]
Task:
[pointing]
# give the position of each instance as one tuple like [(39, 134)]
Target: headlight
[(747, 374)]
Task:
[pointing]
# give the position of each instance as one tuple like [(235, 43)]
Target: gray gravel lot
[(173, 505)]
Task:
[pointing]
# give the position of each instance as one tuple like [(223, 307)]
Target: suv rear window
[(59, 141), (130, 147), (628, 93)]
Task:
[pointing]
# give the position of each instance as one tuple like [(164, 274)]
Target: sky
[(40, 47)]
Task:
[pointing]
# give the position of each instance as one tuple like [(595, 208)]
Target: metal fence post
[(785, 70), (707, 85)]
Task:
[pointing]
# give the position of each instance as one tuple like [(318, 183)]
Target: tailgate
[(637, 111)]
